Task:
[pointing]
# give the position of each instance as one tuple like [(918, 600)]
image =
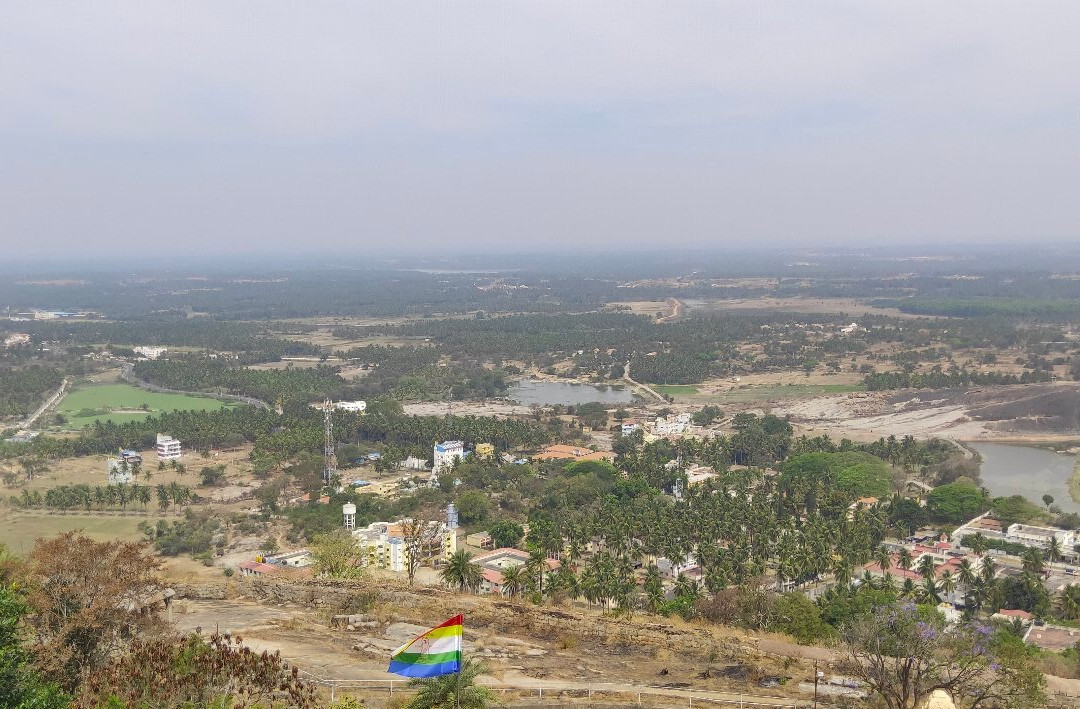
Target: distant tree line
[(23, 389), (948, 380)]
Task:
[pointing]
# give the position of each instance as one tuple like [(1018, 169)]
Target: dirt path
[(639, 385), (127, 373), (676, 308), (49, 403)]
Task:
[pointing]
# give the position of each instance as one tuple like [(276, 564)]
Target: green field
[(676, 389), (122, 403), (18, 531), (782, 391)]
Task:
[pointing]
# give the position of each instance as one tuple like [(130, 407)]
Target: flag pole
[(461, 661)]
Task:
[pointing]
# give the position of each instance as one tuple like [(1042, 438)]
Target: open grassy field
[(750, 394), (124, 402), (18, 530), (676, 389)]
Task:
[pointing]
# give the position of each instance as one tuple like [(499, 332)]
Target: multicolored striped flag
[(436, 652)]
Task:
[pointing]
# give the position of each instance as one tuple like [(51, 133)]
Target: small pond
[(1027, 471), (536, 391)]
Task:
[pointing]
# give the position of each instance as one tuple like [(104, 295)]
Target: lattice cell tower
[(330, 460)]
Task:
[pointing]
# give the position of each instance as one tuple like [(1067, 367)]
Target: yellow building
[(485, 451)]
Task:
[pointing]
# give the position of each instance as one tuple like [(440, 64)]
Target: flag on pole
[(436, 652)]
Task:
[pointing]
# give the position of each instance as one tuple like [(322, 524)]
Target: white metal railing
[(749, 701)]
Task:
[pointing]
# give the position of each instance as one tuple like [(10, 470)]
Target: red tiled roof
[(1015, 613), (493, 577), (258, 567), (894, 570)]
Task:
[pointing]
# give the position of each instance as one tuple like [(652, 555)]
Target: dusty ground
[(1043, 411), (19, 528), (525, 659), (93, 470), (468, 408)]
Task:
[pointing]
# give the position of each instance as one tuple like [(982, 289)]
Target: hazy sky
[(340, 125)]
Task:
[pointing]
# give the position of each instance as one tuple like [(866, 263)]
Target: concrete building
[(671, 425), (493, 563), (479, 539), (629, 426), (168, 448), (1052, 637), (383, 544), (256, 568), (120, 471), (149, 352), (356, 407), (485, 451), (1040, 537), (298, 559), (414, 463), (445, 454)]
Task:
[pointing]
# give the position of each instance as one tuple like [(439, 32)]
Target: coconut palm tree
[(904, 561), (536, 566), (1069, 602), (930, 592), (966, 573), (1053, 552), (948, 583), (978, 544), (513, 581), (883, 558), (654, 589), (927, 566), (1033, 561), (462, 571), (440, 692)]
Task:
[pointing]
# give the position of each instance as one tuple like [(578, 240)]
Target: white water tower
[(348, 516)]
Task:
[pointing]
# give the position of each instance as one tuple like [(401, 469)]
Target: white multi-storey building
[(168, 448), (1040, 537), (668, 427), (149, 352), (445, 454), (383, 545), (357, 407)]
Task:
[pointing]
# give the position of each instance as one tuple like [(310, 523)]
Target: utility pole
[(817, 677), (329, 459)]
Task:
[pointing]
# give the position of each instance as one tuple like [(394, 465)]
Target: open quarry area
[(1036, 412)]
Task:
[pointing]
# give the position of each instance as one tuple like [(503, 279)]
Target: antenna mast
[(330, 460)]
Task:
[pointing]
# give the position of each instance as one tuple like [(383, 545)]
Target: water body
[(536, 391), (1027, 471)]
